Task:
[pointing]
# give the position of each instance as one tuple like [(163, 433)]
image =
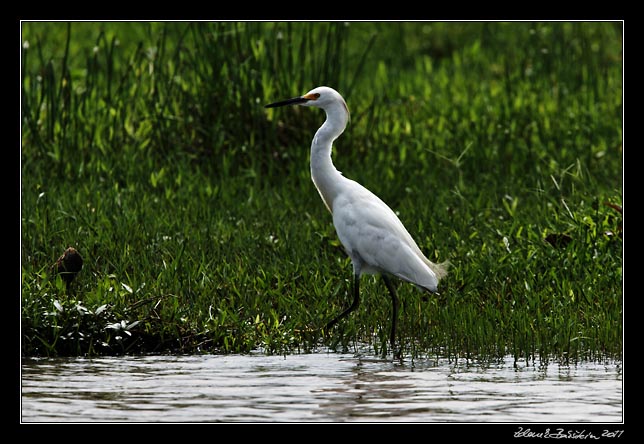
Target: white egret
[(371, 233)]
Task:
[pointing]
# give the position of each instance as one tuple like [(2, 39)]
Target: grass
[(146, 147)]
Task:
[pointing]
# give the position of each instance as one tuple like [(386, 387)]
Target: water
[(318, 387)]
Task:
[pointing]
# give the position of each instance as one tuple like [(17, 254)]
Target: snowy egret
[(371, 233)]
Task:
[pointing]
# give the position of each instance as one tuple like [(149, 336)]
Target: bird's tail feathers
[(440, 270)]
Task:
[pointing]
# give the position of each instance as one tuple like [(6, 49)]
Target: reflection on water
[(319, 387)]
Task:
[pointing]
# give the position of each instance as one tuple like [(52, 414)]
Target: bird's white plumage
[(371, 233), (374, 238)]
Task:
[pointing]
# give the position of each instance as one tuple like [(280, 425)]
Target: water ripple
[(317, 387)]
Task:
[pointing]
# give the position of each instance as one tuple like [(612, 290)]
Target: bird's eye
[(313, 96)]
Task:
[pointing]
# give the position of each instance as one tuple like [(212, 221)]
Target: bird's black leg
[(394, 314), (356, 302)]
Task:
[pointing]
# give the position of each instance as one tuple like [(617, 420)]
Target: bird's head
[(320, 97)]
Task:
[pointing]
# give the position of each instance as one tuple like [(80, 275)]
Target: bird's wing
[(373, 235)]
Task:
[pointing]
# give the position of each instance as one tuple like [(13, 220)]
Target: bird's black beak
[(293, 101)]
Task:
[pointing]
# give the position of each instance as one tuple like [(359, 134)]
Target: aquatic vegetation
[(146, 146)]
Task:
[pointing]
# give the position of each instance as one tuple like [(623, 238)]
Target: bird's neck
[(324, 174)]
